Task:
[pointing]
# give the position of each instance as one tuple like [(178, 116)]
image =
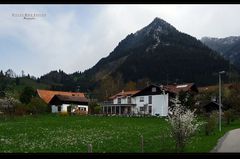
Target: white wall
[(123, 100), (64, 108), (159, 104), (54, 109), (81, 106)]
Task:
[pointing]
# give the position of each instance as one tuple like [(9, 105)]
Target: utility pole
[(220, 102)]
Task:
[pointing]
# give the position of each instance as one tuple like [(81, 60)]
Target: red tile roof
[(124, 94), (47, 95), (177, 88)]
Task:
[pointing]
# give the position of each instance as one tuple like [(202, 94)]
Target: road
[(230, 142)]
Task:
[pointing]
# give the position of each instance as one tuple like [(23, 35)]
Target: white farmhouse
[(152, 100), (65, 101)]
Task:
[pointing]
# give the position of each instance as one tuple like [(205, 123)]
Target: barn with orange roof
[(71, 102)]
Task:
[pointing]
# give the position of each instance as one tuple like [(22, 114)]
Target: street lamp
[(220, 103)]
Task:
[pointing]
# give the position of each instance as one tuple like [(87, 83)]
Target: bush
[(228, 116), (27, 94), (94, 108), (97, 109), (20, 109), (37, 106), (63, 114), (211, 123)]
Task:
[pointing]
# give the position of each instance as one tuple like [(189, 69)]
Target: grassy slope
[(52, 133)]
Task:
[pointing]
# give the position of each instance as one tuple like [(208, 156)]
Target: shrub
[(228, 116), (7, 104), (37, 106), (97, 109), (63, 114), (94, 108), (27, 94), (20, 109), (211, 123)]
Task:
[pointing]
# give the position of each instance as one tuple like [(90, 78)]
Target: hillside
[(228, 47)]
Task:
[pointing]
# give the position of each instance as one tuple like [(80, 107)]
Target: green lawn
[(54, 133)]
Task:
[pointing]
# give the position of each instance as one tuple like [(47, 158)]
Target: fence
[(142, 145)]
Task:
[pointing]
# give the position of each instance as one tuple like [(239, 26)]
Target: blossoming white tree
[(183, 124)]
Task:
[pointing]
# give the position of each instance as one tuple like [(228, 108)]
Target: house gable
[(150, 90)]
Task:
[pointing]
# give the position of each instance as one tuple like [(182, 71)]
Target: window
[(154, 89), (150, 109), (129, 100), (119, 100), (141, 99), (150, 99), (141, 108), (84, 109)]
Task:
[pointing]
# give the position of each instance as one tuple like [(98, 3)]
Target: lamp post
[(220, 102)]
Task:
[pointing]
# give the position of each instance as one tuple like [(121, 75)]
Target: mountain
[(228, 47), (162, 54)]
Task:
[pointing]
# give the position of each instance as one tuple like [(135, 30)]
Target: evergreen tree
[(17, 81), (27, 94)]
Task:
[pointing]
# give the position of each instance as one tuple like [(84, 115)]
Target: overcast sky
[(75, 37)]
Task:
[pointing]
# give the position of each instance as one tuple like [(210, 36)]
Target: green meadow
[(70, 134)]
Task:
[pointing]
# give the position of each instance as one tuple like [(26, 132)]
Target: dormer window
[(154, 89)]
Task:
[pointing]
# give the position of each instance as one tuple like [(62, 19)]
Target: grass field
[(54, 133)]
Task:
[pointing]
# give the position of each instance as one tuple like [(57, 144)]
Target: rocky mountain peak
[(157, 26)]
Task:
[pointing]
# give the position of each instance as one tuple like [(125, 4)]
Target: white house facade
[(60, 101), (64, 108), (152, 100), (152, 104)]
